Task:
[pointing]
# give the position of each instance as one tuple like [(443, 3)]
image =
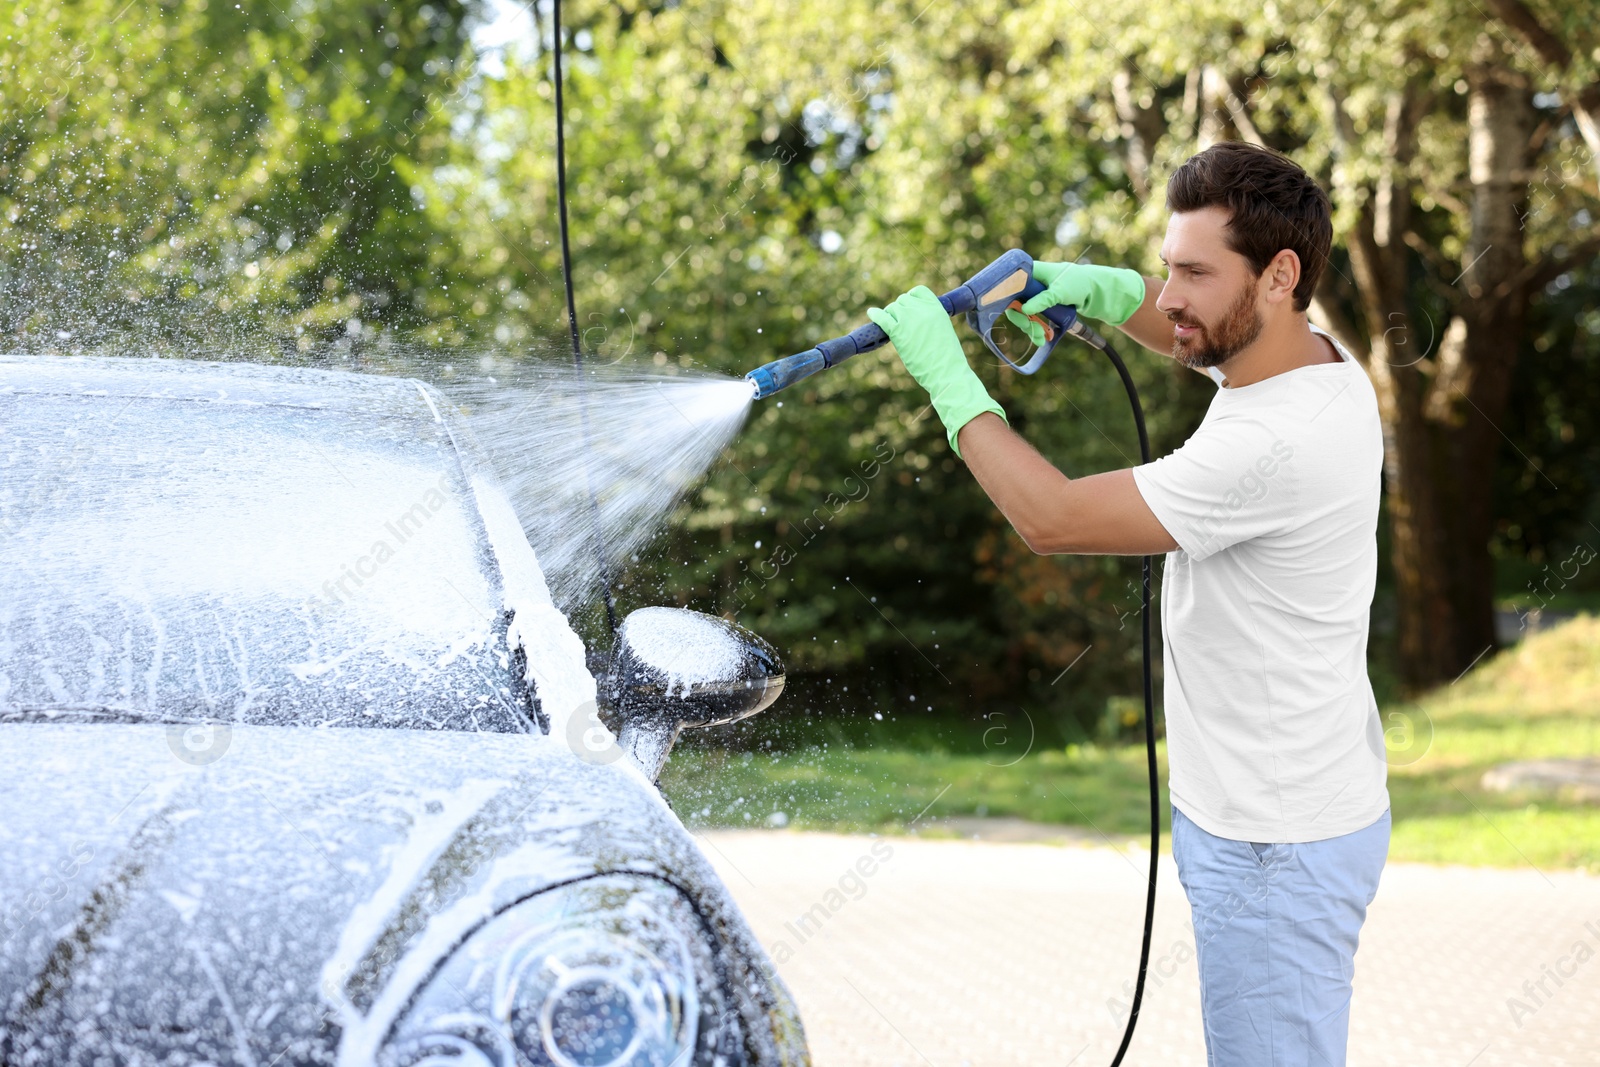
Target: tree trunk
[(1471, 400), (1443, 417), (1440, 410), (1380, 262)]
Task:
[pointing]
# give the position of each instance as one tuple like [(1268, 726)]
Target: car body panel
[(226, 891), (265, 899)]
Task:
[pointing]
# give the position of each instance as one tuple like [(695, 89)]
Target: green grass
[(887, 789), (1536, 700), (1539, 699)]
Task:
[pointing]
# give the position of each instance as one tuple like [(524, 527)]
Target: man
[(1268, 517)]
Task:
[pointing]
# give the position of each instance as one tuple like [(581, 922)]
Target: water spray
[(984, 299)]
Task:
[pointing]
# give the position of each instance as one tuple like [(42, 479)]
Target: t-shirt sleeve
[(1230, 482)]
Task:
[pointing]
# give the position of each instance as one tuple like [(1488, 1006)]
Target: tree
[(223, 178), (1443, 411), (1451, 150), (747, 178)]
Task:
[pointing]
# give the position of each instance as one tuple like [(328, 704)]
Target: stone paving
[(915, 952)]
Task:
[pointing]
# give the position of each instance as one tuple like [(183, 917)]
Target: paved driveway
[(947, 953)]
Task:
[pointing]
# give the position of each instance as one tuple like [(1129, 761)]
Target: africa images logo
[(199, 744)]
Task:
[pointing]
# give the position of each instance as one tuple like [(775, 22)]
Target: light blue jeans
[(1275, 929)]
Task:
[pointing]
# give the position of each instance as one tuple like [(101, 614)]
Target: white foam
[(555, 654), (688, 649), (430, 834), (163, 552)]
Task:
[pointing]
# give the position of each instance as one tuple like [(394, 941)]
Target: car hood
[(238, 895)]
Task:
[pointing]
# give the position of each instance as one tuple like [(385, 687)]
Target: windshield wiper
[(79, 713)]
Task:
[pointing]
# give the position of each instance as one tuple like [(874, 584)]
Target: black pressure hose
[(572, 326), (1103, 345)]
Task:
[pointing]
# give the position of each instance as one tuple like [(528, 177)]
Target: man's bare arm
[(1148, 326), (1102, 514)]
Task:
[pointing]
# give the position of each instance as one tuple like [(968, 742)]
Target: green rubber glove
[(1111, 294), (920, 328)]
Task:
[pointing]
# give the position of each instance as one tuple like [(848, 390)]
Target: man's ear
[(1282, 275)]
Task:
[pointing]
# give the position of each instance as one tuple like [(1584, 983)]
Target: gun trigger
[(1049, 327)]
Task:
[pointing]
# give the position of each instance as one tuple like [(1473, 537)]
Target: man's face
[(1210, 294)]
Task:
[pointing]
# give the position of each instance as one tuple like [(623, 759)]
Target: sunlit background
[(372, 186)]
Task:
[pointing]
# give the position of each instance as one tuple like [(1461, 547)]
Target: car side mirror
[(674, 668)]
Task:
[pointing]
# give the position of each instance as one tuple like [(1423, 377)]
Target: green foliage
[(1555, 413), (744, 187), (194, 175), (349, 182)]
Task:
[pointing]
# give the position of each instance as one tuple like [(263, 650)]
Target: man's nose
[(1167, 301)]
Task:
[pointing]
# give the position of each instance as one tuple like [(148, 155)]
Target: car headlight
[(614, 971)]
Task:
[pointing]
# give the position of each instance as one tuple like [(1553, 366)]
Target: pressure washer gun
[(984, 298)]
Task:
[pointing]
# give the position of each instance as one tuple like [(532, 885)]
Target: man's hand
[(1110, 294), (920, 328)]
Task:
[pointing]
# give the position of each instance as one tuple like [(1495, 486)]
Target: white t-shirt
[(1273, 733)]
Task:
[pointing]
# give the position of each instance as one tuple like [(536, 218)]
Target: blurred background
[(370, 184)]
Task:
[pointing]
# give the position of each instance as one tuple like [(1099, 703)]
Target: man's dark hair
[(1273, 205)]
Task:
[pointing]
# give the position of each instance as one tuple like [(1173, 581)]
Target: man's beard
[(1241, 324)]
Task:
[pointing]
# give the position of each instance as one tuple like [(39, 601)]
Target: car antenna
[(572, 326)]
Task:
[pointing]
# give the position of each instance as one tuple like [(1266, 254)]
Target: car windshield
[(186, 560)]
